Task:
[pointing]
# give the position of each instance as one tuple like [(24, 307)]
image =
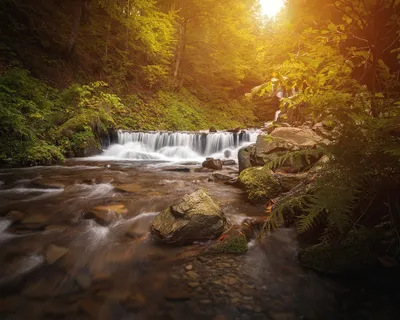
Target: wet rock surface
[(196, 217), (214, 164)]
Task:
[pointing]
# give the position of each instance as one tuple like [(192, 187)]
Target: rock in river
[(260, 184), (212, 163), (195, 217)]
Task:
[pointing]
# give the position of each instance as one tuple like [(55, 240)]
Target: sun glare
[(271, 7)]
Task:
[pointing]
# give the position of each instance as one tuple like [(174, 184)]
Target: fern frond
[(294, 157)]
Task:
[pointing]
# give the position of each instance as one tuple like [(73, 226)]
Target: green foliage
[(26, 105)]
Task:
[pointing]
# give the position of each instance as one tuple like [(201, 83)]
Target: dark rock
[(202, 169), (222, 176), (196, 217), (228, 162), (233, 182), (178, 169), (177, 294), (244, 157), (89, 148), (15, 215), (212, 163), (212, 130), (236, 130)]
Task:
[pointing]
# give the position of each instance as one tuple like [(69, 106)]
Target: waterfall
[(157, 145), (277, 115)]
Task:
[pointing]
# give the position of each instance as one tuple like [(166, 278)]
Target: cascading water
[(175, 146)]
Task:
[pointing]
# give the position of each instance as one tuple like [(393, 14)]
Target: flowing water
[(58, 261)]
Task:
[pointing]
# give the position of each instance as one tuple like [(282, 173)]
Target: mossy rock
[(355, 252), (260, 184), (232, 242), (196, 217)]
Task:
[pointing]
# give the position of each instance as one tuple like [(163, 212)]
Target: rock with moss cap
[(196, 217), (234, 241), (260, 184)]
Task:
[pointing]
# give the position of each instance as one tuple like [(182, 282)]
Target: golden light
[(271, 7)]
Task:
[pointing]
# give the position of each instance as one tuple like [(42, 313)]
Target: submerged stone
[(54, 253), (196, 217), (104, 215)]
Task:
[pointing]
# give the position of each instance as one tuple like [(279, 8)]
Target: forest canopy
[(90, 66)]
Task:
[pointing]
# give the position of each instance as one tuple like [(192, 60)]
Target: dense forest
[(72, 71)]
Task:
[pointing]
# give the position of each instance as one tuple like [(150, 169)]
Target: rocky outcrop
[(281, 140), (259, 181), (214, 164), (196, 217)]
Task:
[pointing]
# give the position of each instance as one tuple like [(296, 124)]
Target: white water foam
[(22, 266), (4, 235), (177, 146)]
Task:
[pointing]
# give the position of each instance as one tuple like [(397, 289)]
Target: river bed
[(57, 261)]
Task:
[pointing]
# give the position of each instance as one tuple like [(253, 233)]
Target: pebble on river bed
[(55, 253)]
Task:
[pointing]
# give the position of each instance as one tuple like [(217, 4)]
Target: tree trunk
[(180, 51), (81, 14), (107, 37)]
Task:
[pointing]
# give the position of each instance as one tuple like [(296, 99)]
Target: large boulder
[(288, 138), (260, 184), (196, 217), (283, 139), (214, 164), (244, 157)]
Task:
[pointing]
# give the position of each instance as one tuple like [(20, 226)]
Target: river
[(58, 261)]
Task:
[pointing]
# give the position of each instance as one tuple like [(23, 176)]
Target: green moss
[(233, 242), (354, 252), (260, 184)]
